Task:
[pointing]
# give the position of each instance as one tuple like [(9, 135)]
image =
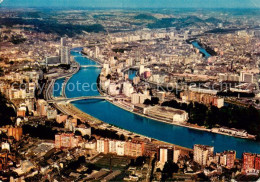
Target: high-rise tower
[(64, 52)]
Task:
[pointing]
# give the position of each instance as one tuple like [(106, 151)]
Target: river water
[(131, 74), (111, 114), (57, 89), (202, 50)]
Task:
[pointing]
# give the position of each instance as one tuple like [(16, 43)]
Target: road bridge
[(63, 99), (90, 66)]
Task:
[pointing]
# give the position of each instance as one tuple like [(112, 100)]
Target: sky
[(133, 3)]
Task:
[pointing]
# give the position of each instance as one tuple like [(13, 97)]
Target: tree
[(169, 168), (65, 66), (150, 92), (154, 100), (17, 39), (232, 116), (198, 114), (108, 76), (122, 137), (86, 137), (147, 102), (139, 161), (27, 111), (5, 37), (6, 111), (78, 133), (1, 72), (212, 117), (82, 159)]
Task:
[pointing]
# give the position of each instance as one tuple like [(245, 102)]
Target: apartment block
[(202, 153), (66, 140)]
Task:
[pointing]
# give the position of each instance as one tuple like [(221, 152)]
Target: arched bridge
[(76, 99), (91, 66)]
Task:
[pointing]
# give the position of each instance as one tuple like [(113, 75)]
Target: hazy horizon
[(131, 3)]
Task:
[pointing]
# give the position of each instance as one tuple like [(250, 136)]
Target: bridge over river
[(90, 66), (63, 99)]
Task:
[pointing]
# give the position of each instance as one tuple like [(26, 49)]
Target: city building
[(92, 145), (21, 113), (62, 41), (251, 162), (248, 161), (6, 159), (230, 158), (113, 89), (206, 97), (166, 113), (5, 146), (103, 146), (176, 154), (52, 61), (83, 130), (229, 77), (15, 132), (60, 118), (136, 80), (128, 89), (161, 95), (64, 52), (226, 158), (147, 74), (66, 140), (134, 148), (135, 98), (42, 107), (246, 77), (51, 113), (97, 51), (116, 147), (141, 69), (201, 153), (71, 124), (257, 162), (121, 148), (164, 154), (138, 98)]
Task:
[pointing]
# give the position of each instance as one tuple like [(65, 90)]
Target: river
[(202, 50), (57, 89), (131, 74), (112, 114)]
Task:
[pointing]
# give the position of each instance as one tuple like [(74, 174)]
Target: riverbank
[(92, 58), (207, 48), (94, 122), (98, 124), (187, 125), (49, 92)]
